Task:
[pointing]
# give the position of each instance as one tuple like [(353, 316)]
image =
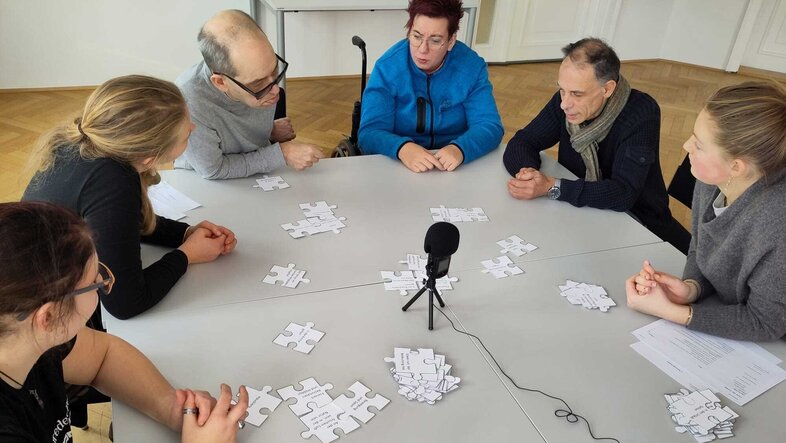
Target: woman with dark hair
[(430, 92), (732, 285), (50, 278)]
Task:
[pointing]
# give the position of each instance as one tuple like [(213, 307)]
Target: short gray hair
[(215, 49)]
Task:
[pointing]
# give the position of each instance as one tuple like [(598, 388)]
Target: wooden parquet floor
[(321, 110)]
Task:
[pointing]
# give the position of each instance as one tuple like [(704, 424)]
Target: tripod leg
[(414, 297), (431, 309), (439, 299)]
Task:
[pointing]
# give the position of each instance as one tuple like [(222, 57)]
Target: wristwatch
[(554, 191)]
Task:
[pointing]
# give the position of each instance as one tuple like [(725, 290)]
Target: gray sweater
[(230, 139), (739, 259)]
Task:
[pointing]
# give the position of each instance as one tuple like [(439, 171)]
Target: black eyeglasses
[(282, 70), (104, 287)]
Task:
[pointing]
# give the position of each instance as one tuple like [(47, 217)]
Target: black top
[(107, 194), (628, 159), (39, 411)]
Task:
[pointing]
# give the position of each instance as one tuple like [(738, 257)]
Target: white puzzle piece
[(414, 384), (312, 394), (258, 400), (322, 421), (270, 183), (357, 405), (301, 228), (300, 336), (318, 209), (516, 246), (413, 362), (500, 267), (588, 295), (289, 276), (700, 414), (458, 214), (401, 281)]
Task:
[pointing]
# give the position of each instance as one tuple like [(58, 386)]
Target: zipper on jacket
[(431, 109), (421, 108)]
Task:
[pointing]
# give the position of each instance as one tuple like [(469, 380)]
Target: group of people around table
[(77, 233)]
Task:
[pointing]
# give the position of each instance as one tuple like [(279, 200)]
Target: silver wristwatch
[(554, 191)]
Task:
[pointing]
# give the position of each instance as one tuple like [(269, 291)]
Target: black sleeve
[(167, 233), (636, 152), (523, 150), (110, 202)]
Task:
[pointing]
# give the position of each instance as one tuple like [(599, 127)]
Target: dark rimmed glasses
[(104, 287), (282, 66)]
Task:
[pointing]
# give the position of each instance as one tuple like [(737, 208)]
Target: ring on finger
[(187, 411), (241, 424)]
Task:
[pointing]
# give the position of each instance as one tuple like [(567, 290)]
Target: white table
[(218, 322), (281, 7), (387, 212)]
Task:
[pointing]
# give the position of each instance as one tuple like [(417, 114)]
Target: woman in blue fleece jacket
[(430, 92)]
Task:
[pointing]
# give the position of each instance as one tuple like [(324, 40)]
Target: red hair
[(449, 9)]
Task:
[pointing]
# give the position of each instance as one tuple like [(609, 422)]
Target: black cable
[(567, 413)]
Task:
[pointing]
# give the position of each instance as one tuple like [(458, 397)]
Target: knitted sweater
[(230, 139), (457, 104), (739, 258)]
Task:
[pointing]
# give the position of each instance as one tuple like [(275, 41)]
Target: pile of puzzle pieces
[(422, 375), (319, 218), (590, 296), (458, 214), (700, 414), (322, 414), (412, 279)]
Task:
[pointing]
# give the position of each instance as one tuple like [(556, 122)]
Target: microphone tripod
[(430, 284)]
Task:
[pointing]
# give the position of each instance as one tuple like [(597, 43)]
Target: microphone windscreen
[(442, 239), (357, 41)]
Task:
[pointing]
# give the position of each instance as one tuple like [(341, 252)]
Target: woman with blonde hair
[(732, 282), (100, 166), (50, 278)]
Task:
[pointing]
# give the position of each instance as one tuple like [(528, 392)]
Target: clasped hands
[(529, 183), (660, 294), (418, 159), (205, 241)]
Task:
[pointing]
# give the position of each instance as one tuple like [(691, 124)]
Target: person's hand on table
[(672, 287), (203, 402), (230, 241), (300, 156), (450, 157), (201, 246), (223, 419), (417, 159), (529, 183)]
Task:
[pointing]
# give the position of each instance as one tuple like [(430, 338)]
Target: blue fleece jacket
[(458, 105)]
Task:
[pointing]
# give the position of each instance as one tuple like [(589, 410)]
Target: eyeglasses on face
[(104, 282), (281, 67), (433, 43)]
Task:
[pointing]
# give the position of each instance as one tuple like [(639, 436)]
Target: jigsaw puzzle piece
[(301, 336), (500, 267), (318, 209), (269, 183), (301, 228), (357, 405), (414, 362), (401, 281), (289, 276), (258, 400), (322, 421), (312, 394)]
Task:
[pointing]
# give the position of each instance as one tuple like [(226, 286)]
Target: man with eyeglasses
[(231, 96), (608, 135), (430, 92)]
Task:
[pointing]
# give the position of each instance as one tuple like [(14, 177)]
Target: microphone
[(442, 240), (357, 41)]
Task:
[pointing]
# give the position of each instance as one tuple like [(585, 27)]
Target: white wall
[(640, 28), (703, 32), (49, 43)]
